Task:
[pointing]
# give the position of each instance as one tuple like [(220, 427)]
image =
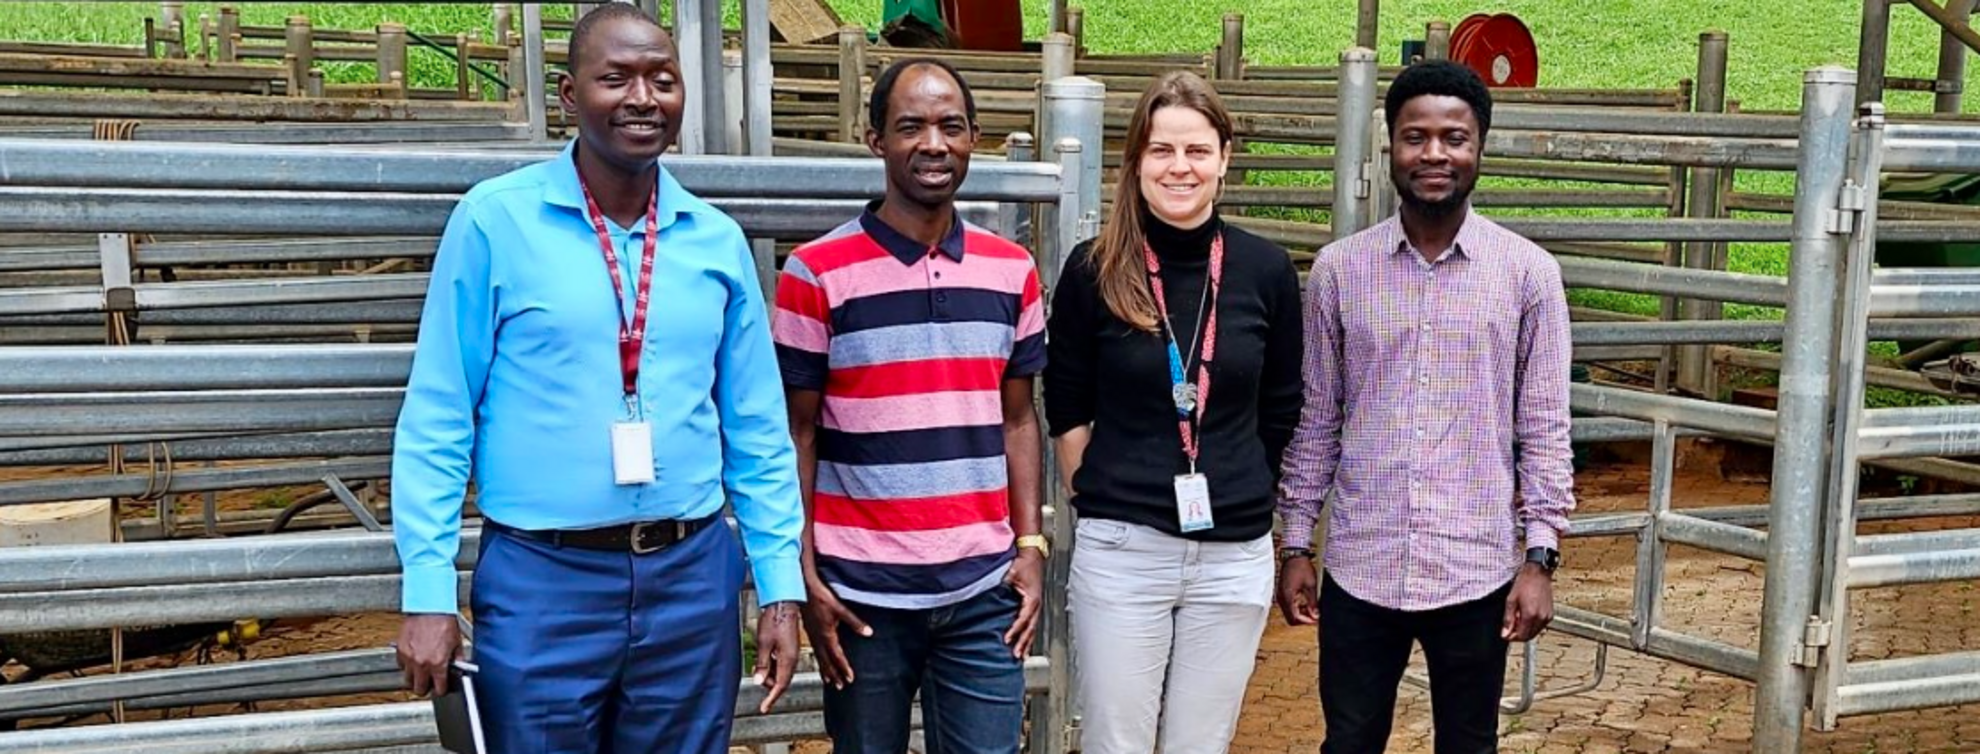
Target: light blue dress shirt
[(516, 381)]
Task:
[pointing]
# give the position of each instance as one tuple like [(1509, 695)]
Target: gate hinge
[(1849, 207), (1814, 638)]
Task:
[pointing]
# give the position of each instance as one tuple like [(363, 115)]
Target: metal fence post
[(852, 68), (758, 75), (1951, 79), (1073, 107), (1694, 366), (1437, 40), (701, 70), (732, 90), (534, 94), (1852, 338), (1801, 456), (1351, 142)]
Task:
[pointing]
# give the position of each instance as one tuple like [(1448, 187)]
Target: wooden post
[(852, 66), (391, 52), (463, 67), (315, 83), (172, 17), (1230, 67), (505, 22), (1952, 62), (1437, 40), (1076, 26), (227, 35), (1365, 27), (1872, 47), (205, 37), (301, 51)]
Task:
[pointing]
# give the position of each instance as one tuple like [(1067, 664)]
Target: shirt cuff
[(778, 580), (1298, 531), (1542, 535), (430, 589)]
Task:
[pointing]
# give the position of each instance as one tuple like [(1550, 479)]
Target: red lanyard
[(1208, 337), (632, 335)]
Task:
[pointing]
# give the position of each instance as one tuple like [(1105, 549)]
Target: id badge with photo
[(1193, 502), (632, 452)]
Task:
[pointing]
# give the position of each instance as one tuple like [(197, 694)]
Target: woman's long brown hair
[(1116, 254)]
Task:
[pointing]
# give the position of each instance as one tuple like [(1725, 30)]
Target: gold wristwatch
[(1036, 542)]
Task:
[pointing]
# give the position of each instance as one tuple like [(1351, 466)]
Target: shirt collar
[(1469, 243), (564, 190), (907, 249)]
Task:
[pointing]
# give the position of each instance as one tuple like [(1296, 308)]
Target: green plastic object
[(922, 16), (1934, 188)]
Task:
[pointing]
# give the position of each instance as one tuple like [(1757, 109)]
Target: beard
[(1450, 204)]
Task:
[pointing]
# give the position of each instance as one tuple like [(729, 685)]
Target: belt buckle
[(639, 531)]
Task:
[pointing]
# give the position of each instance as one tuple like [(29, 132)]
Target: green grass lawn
[(1583, 43)]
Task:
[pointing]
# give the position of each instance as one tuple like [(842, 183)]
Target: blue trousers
[(971, 686), (593, 652)]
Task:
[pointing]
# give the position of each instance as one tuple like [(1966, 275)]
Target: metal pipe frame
[(1353, 169), (237, 411), (238, 167), (1710, 655), (181, 481), (352, 442), (276, 557), (1722, 331), (1705, 534), (115, 369), (1801, 457), (269, 251), (1721, 418), (1762, 290)]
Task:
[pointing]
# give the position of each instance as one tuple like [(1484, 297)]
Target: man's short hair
[(883, 89), (598, 15), (1440, 78)]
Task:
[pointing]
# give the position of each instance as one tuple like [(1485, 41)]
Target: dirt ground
[(1645, 704), (1642, 704)]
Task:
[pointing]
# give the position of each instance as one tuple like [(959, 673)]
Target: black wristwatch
[(1547, 558), (1288, 553)]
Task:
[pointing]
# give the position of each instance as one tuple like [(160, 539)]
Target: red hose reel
[(1499, 48)]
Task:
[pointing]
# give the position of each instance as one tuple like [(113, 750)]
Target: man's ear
[(566, 90), (873, 142)]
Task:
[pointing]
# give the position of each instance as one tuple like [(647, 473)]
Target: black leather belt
[(639, 538)]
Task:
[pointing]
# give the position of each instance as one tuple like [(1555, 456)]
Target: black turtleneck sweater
[(1104, 372)]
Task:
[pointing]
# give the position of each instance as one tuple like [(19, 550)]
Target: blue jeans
[(972, 687), (593, 652)]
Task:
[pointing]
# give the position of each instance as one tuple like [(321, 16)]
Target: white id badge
[(632, 452), (1193, 502)]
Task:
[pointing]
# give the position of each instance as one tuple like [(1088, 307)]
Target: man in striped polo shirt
[(908, 341)]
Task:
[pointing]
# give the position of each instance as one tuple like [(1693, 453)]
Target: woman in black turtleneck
[(1169, 595)]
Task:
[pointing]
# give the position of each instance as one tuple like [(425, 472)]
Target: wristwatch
[(1547, 558), (1288, 553), (1036, 542)]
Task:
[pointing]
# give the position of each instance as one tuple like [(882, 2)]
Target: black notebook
[(458, 712)]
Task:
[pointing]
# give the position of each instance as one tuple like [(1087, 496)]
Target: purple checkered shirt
[(1421, 380)]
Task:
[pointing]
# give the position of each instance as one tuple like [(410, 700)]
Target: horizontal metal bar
[(1940, 155), (158, 334), (191, 480), (1683, 529), (38, 209), (335, 729), (1942, 691), (1756, 331), (104, 164), (294, 133), (1925, 301), (242, 411), (1763, 290), (155, 106), (1711, 655), (110, 369), (237, 559), (307, 688), (1607, 524), (1896, 569), (381, 312), (1934, 441), (1930, 276), (403, 724), (1741, 421), (1584, 354), (29, 612), (26, 697), (352, 442), (1915, 542), (1917, 668)]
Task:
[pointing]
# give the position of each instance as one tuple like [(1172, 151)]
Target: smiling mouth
[(1180, 189), (934, 176), (642, 128)]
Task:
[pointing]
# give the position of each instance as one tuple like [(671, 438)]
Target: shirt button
[(938, 276), (1425, 380), (932, 253), (1426, 327), (941, 298), (1419, 433)]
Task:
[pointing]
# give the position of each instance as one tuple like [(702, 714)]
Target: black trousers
[(1364, 649)]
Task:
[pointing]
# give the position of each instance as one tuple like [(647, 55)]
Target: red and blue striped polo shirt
[(910, 346)]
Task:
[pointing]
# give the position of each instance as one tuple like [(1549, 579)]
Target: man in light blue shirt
[(605, 598)]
